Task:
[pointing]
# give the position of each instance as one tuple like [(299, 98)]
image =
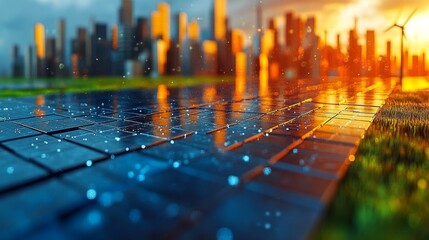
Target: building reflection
[(162, 120), (220, 116), (40, 102), (263, 83)]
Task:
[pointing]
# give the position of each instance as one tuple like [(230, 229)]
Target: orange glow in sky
[(339, 16)]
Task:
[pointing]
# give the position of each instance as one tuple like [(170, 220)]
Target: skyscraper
[(370, 54), (389, 58), (115, 37), (155, 20), (99, 50), (29, 63), (126, 13), (164, 18), (60, 48), (237, 41), (182, 26), (39, 39), (219, 19), (141, 37), (79, 54), (51, 66), (125, 33), (17, 63), (354, 59), (194, 31)]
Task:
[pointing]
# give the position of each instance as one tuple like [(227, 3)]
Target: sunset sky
[(17, 18)]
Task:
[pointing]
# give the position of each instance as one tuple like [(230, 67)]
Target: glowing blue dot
[(172, 142), (267, 226), (143, 146), (91, 194), (295, 151), (176, 164), (117, 139), (10, 170), (141, 178), (233, 180), (130, 174), (89, 163), (267, 171), (246, 158), (224, 234)]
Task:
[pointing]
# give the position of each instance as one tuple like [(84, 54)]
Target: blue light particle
[(91, 194), (10, 170), (233, 180), (267, 171)]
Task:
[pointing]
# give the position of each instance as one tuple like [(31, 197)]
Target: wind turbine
[(403, 36)]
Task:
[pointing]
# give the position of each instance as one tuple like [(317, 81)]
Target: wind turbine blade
[(409, 18), (390, 28)]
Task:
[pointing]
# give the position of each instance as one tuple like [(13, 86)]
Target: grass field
[(385, 193), (99, 84)]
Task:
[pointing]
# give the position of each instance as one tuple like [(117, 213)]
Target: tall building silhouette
[(29, 63), (125, 33), (354, 54), (310, 62), (115, 37), (51, 66), (126, 13), (40, 41), (371, 69), (164, 18), (155, 21), (60, 48), (194, 31), (100, 54), (80, 54), (182, 27), (141, 37), (389, 57), (160, 23), (17, 62), (219, 19)]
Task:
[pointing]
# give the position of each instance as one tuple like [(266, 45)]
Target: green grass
[(104, 84), (385, 193)]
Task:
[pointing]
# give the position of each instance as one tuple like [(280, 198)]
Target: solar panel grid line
[(266, 131), (295, 144), (257, 117), (180, 131)]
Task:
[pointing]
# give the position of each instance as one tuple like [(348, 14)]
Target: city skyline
[(245, 25)]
